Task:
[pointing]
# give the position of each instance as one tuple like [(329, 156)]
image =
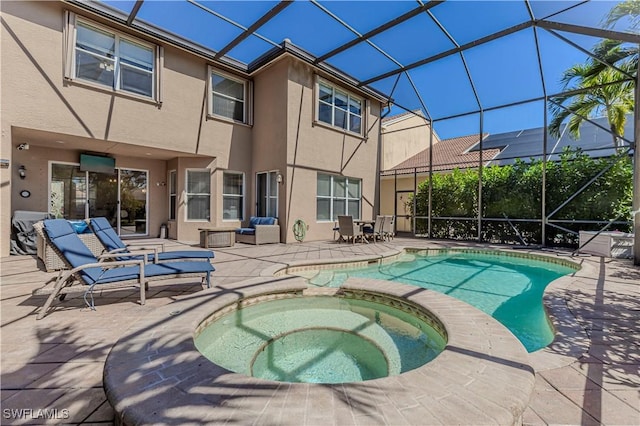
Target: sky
[(503, 71)]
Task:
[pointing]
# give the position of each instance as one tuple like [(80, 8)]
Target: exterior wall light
[(22, 172), (279, 178)]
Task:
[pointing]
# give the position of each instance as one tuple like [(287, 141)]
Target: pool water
[(319, 339), (506, 287)]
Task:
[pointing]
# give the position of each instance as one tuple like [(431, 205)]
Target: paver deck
[(51, 370)]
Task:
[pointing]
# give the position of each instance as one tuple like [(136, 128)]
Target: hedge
[(515, 192)]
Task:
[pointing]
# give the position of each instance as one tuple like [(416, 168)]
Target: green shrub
[(515, 192)]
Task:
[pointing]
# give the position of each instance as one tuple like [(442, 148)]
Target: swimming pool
[(507, 287)]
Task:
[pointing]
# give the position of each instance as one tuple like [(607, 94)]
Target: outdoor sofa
[(260, 230)]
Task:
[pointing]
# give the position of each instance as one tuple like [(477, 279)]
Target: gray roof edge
[(153, 31), (296, 51)]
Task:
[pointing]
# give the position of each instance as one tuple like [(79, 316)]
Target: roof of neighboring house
[(399, 117), (448, 154), (528, 143)]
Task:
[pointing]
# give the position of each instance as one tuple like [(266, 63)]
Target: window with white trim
[(233, 196), (114, 60), (173, 193), (338, 108), (337, 195), (228, 97), (198, 194)]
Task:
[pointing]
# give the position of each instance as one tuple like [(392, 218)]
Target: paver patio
[(57, 363)]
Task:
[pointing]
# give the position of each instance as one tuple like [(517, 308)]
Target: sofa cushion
[(259, 220), (246, 231)]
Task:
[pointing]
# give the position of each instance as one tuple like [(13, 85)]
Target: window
[(338, 108), (228, 97), (337, 195), (113, 60), (233, 196), (198, 194), (172, 195)]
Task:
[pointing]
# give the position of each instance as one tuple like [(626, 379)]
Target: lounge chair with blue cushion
[(260, 230), (86, 273), (114, 245)]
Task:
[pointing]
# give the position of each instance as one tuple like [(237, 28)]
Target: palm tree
[(608, 93), (611, 92), (627, 8)]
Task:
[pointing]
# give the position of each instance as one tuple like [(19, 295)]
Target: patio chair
[(376, 232), (86, 272), (388, 227), (348, 229), (114, 245)]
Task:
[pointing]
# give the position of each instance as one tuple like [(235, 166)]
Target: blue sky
[(503, 71)]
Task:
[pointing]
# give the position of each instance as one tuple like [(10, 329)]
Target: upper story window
[(114, 60), (228, 97), (339, 108)]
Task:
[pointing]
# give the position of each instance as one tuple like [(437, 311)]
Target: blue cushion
[(66, 240), (106, 234), (246, 231), (80, 226), (268, 221), (260, 220), (153, 270)]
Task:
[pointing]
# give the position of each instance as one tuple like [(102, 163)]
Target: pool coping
[(154, 373)]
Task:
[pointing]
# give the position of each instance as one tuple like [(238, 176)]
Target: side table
[(217, 237)]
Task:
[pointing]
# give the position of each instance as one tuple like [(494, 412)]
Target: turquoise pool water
[(508, 288), (319, 339)]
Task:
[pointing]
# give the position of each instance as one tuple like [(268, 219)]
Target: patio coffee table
[(217, 237)]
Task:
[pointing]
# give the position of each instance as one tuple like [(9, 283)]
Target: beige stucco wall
[(37, 100), (270, 136), (314, 148), (403, 139), (40, 98), (36, 96)]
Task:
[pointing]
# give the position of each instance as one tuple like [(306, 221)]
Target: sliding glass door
[(103, 196), (119, 197), (133, 202)]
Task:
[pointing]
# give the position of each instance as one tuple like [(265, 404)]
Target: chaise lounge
[(87, 273), (114, 245), (261, 230)]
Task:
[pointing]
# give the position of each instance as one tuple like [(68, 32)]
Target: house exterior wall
[(315, 147), (403, 139), (269, 134), (60, 119)]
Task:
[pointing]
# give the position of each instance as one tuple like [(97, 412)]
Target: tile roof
[(448, 154), (400, 117)]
